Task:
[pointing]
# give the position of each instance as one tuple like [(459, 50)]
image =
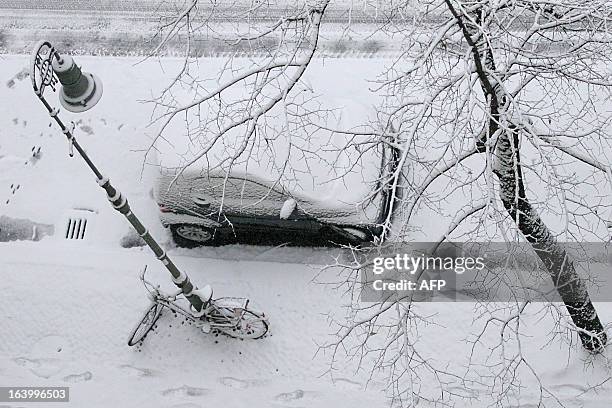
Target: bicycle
[(227, 315)]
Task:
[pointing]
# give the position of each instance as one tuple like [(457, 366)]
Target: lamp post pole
[(80, 92)]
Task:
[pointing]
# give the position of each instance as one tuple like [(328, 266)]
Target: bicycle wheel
[(251, 326), (146, 323)]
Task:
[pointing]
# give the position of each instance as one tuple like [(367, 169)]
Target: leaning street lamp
[(80, 91)]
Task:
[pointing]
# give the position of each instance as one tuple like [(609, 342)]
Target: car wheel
[(191, 235)]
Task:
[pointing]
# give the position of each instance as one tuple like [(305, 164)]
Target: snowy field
[(66, 307)]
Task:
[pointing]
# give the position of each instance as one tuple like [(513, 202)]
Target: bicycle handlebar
[(155, 289)]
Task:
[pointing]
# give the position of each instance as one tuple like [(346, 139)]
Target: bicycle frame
[(215, 313)]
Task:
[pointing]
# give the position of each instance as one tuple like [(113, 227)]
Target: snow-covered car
[(213, 209), (291, 181)]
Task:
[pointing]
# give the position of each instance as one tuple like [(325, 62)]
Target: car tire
[(192, 235)]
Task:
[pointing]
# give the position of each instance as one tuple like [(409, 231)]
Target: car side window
[(247, 189)]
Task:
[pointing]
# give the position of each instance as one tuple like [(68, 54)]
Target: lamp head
[(80, 91)]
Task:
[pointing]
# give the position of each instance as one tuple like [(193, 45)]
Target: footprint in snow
[(26, 362), (45, 358), (185, 391), (41, 367), (138, 371), (290, 396), (75, 378), (87, 129), (35, 157), (234, 382)]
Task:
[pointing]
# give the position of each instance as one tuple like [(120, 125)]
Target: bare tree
[(499, 102), (507, 119)]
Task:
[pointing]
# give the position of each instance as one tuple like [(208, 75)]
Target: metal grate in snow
[(76, 228)]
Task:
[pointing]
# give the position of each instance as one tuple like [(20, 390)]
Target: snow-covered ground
[(67, 312), (66, 307)]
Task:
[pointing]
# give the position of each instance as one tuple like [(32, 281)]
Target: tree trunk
[(561, 268), (512, 190)]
